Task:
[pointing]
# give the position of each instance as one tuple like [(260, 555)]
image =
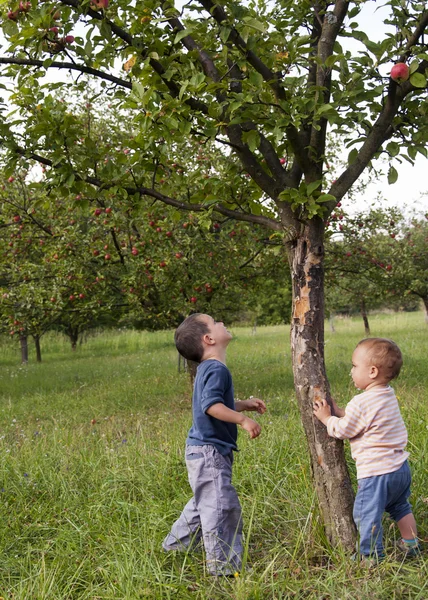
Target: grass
[(92, 472)]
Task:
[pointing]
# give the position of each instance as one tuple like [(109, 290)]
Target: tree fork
[(329, 469)]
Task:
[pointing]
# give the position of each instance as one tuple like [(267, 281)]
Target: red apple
[(134, 251), (107, 257), (193, 300), (162, 264), (11, 179), (95, 252), (178, 255), (106, 247), (97, 212), (69, 39), (168, 234), (102, 3), (400, 72), (108, 210), (72, 298), (12, 15), (53, 299), (283, 161), (16, 218), (81, 296)]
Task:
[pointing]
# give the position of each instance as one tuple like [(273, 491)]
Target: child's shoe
[(369, 561), (408, 550)]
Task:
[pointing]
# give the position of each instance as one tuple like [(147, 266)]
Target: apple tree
[(410, 261), (359, 260), (265, 84)]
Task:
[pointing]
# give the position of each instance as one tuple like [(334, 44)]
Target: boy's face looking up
[(218, 334)]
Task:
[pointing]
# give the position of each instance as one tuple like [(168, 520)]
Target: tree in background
[(411, 261), (374, 260), (69, 266), (359, 260), (263, 85)]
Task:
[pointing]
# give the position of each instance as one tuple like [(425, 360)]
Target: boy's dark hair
[(188, 337), (385, 355)]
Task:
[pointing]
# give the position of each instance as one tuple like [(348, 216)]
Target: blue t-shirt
[(213, 384)]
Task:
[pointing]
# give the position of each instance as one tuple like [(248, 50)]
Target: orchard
[(220, 112)]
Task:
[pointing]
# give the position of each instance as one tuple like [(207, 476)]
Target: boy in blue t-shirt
[(214, 512)]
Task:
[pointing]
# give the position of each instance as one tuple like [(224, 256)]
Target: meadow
[(92, 473)]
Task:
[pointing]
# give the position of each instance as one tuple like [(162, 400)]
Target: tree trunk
[(192, 366), (425, 301), (38, 349), (73, 334), (330, 472), (23, 340), (365, 318)]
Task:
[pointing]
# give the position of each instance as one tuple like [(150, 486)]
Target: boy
[(373, 424), (214, 512)]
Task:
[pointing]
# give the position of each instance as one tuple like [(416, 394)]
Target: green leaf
[(325, 198), (255, 24), (181, 34), (393, 148), (352, 156), (252, 138), (418, 80), (392, 175), (312, 187), (224, 33)]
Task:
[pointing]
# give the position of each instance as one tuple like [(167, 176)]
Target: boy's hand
[(252, 427), (254, 404), (322, 411)]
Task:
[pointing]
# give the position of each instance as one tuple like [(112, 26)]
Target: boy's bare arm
[(254, 404), (222, 413)]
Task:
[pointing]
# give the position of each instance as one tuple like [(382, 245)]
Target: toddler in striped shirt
[(373, 424)]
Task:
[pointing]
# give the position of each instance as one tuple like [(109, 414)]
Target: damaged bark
[(330, 472)]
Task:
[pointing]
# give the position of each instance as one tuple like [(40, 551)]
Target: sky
[(411, 189)]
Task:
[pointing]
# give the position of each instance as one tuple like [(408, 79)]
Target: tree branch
[(150, 192), (66, 65)]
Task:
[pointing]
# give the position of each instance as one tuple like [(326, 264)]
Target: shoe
[(371, 560), (404, 551)]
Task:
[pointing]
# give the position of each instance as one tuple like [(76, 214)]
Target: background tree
[(359, 260), (265, 83), (410, 273)]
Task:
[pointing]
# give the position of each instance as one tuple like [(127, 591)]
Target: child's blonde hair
[(383, 354)]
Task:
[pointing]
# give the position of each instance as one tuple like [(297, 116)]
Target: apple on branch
[(400, 72)]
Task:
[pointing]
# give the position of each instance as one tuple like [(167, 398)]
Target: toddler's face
[(361, 368)]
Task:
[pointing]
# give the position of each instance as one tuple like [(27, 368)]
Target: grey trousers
[(213, 514)]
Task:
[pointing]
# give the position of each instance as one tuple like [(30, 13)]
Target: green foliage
[(254, 78), (376, 259)]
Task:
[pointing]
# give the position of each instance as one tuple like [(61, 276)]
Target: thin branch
[(143, 191), (4, 60)]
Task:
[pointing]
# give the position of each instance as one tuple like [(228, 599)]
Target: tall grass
[(92, 472)]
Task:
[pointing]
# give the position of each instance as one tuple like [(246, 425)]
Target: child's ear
[(207, 339), (374, 372)]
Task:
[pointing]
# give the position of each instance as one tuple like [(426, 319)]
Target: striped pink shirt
[(376, 431)]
